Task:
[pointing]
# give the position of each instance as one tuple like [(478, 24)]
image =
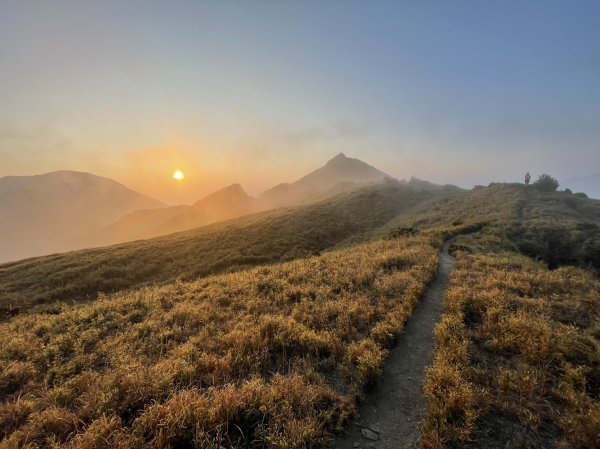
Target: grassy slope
[(517, 361), (557, 228), (248, 241), (534, 223), (518, 357), (449, 208), (270, 357), (516, 221)]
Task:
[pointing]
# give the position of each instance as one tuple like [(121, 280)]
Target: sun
[(178, 175)]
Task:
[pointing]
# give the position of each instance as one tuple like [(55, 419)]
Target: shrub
[(581, 194), (546, 183)]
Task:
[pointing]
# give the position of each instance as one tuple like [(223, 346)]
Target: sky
[(262, 92)]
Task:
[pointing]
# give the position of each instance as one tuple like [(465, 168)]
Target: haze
[(299, 224), (263, 92)]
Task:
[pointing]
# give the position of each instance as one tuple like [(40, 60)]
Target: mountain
[(133, 226), (44, 213), (266, 237), (230, 202), (587, 184), (339, 174), (68, 210), (553, 227)]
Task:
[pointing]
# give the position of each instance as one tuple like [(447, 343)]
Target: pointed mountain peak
[(233, 192), (230, 190), (234, 188), (337, 174), (339, 158), (342, 169)]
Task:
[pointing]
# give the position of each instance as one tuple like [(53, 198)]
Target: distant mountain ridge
[(77, 191), (93, 211), (229, 202), (338, 175), (341, 171), (42, 213)]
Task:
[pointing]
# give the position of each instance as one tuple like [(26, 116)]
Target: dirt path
[(392, 414)]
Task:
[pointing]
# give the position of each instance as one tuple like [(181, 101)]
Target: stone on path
[(369, 434), (375, 428)]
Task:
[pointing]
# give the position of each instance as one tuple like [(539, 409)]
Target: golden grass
[(274, 356), (556, 227), (497, 203), (518, 344), (269, 237)]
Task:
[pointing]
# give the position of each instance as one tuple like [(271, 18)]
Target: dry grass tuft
[(518, 357), (275, 356)]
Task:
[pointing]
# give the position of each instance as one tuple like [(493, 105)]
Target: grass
[(274, 356), (189, 346), (270, 237), (498, 203), (517, 360), (556, 227)]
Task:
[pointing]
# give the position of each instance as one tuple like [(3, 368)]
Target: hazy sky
[(260, 92)]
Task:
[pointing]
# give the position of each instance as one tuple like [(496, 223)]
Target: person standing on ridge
[(527, 179)]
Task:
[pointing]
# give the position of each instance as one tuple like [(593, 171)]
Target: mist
[(335, 224), (259, 95)]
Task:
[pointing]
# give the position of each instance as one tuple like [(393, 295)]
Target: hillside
[(559, 228), (517, 359), (229, 202), (270, 357), (338, 174), (556, 227), (266, 237), (42, 214), (180, 355)]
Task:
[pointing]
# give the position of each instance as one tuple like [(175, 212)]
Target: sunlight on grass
[(517, 356), (274, 356)]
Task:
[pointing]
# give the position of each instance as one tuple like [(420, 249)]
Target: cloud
[(272, 143)]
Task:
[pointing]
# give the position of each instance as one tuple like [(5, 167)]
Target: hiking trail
[(392, 414)]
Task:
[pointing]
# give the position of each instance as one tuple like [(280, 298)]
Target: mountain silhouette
[(229, 202), (338, 174), (71, 210), (43, 213)]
